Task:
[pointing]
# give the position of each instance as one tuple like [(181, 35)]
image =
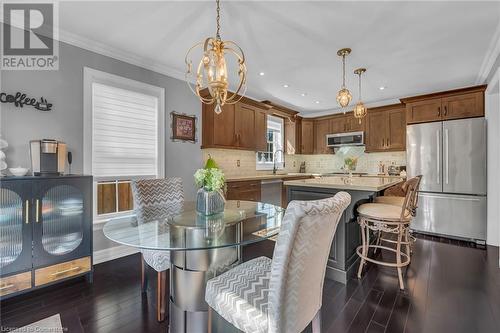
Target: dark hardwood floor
[(450, 288)]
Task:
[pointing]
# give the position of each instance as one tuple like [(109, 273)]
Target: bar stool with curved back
[(282, 295), (154, 198), (399, 201), (388, 219)]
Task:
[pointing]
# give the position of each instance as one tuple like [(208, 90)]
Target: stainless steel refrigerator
[(451, 157)]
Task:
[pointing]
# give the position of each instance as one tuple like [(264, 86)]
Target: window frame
[(269, 165), (91, 76)]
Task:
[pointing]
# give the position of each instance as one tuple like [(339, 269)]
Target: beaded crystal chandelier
[(344, 96), (212, 73), (360, 110)]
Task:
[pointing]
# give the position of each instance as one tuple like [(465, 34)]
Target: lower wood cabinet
[(61, 271), (243, 190), (15, 283), (46, 231)]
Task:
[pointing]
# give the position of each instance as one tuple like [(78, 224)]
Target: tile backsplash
[(227, 159)]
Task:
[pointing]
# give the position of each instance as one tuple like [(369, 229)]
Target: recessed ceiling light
[(317, 102), (262, 73), (382, 87), (286, 86), (303, 94)]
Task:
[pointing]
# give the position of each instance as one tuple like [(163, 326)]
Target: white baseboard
[(113, 253)]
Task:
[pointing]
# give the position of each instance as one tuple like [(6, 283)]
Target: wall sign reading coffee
[(21, 99)]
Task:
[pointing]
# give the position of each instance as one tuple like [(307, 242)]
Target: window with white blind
[(123, 129)]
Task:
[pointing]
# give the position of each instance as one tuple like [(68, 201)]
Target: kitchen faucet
[(274, 160)]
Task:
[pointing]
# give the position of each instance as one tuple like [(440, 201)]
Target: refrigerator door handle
[(438, 144), (446, 155)]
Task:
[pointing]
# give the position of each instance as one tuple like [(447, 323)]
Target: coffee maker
[(48, 157)]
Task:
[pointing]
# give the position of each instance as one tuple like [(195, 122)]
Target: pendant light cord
[(217, 35), (343, 71), (359, 86)]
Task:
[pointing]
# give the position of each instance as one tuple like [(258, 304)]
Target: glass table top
[(180, 228)]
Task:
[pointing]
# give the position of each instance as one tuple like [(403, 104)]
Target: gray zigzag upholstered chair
[(282, 295), (157, 198)]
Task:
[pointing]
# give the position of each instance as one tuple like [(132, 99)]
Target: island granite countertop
[(374, 184)]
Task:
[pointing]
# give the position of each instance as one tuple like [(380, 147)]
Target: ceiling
[(408, 47)]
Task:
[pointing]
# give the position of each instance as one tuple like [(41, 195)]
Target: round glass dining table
[(201, 247)]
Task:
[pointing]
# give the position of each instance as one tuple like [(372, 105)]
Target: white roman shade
[(124, 132)]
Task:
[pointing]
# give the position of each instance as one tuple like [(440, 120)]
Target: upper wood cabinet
[(307, 136), (260, 130), (455, 104), (291, 137), (345, 123), (321, 129), (239, 126), (386, 129)]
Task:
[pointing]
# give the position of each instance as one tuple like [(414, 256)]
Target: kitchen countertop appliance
[(48, 157), (451, 157)]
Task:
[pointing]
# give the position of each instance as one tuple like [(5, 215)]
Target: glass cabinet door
[(62, 216), (15, 227), (62, 220)]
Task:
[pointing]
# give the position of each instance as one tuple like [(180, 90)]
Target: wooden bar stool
[(392, 219)]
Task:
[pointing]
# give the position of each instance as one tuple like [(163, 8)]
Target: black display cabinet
[(45, 231)]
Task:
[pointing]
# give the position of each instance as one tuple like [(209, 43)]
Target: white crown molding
[(339, 110), (492, 54), (116, 53)]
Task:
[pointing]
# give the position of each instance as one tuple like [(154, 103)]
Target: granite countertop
[(374, 184), (270, 176)]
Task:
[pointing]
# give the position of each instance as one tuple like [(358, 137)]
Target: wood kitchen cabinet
[(346, 123), (448, 105), (307, 136), (321, 129), (243, 190), (239, 126), (337, 124), (291, 137), (386, 129)]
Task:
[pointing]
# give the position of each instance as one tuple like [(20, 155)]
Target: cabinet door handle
[(27, 212), (383, 143), (445, 110), (388, 142), (37, 217), (439, 111), (7, 286), (76, 268)]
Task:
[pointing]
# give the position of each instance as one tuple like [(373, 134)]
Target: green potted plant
[(211, 181)]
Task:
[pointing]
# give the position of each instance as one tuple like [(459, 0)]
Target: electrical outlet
[(238, 163), (294, 164)]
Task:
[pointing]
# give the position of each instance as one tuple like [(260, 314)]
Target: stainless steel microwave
[(345, 139)]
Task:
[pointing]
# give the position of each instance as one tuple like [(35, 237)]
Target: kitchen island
[(343, 258)]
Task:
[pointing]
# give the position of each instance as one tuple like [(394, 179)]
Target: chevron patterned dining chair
[(153, 199), (282, 295)]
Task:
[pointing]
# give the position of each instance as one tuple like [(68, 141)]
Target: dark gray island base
[(343, 260)]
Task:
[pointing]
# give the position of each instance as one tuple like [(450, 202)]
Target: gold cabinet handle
[(7, 286), (76, 268), (37, 211), (27, 212)]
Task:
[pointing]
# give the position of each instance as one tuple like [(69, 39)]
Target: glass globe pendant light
[(360, 110), (212, 72), (344, 96)]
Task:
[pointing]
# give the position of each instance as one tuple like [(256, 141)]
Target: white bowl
[(18, 171)]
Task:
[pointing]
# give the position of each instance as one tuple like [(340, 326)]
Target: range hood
[(345, 139)]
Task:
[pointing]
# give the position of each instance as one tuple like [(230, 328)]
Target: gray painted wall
[(64, 89)]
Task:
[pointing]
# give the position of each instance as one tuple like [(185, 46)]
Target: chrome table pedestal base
[(189, 273)]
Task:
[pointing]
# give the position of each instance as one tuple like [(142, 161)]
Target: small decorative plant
[(350, 163), (211, 181)]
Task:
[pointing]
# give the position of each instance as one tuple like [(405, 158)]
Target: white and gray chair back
[(299, 261), (157, 198)]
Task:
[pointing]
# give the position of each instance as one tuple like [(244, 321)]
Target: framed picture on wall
[(183, 127)]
